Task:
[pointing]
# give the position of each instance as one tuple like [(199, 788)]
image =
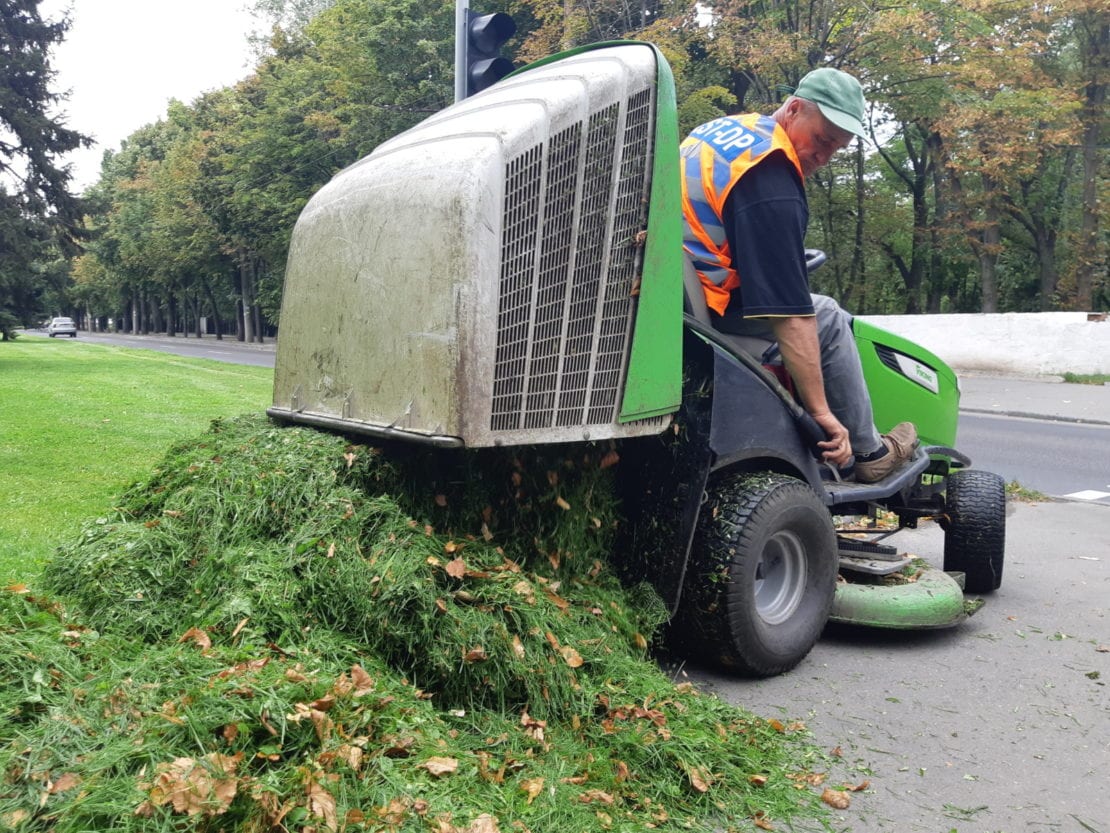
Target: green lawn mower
[(510, 272)]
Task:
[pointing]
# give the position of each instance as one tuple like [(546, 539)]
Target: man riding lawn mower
[(552, 302)]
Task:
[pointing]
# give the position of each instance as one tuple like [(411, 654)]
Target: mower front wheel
[(974, 524), (762, 573)]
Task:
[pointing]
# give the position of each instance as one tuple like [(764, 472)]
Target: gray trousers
[(845, 388)]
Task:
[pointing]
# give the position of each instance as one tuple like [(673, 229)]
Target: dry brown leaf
[(65, 782), (323, 704), (532, 727), (524, 588), (699, 778), (320, 721), (776, 725), (441, 500), (760, 821), (532, 788), (557, 600), (757, 780), (518, 647), (571, 657), (1103, 649), (205, 787), (599, 796), (837, 799), (610, 459), (860, 787), (456, 568), (393, 814), (485, 823), (351, 755), (439, 766), (562, 504), (364, 683), (476, 654), (197, 636), (321, 803)]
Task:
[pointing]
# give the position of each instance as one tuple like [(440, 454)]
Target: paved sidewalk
[(1042, 397)]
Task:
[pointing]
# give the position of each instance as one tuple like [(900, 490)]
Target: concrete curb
[(1029, 415)]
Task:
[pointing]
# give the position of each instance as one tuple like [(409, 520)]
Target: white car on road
[(61, 327)]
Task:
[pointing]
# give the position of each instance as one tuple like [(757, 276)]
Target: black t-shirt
[(765, 218)]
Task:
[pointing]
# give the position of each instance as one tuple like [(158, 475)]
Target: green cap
[(838, 95)]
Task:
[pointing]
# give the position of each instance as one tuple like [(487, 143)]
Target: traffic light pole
[(461, 9)]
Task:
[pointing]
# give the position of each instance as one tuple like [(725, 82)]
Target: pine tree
[(36, 206)]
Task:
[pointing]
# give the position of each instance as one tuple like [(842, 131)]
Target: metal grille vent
[(890, 358), (570, 259)]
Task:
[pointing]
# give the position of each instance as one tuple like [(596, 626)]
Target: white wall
[(1028, 343)]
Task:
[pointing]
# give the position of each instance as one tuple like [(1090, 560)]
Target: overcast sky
[(123, 60)]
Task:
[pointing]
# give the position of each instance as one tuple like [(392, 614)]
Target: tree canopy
[(982, 188), (38, 215)]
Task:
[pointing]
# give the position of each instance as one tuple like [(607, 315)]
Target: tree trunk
[(207, 288), (1091, 259), (256, 309), (990, 245), (171, 313), (857, 275), (246, 297)]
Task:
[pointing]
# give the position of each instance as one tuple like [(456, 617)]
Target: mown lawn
[(80, 421)]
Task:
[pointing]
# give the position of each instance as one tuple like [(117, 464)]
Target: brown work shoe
[(900, 444)]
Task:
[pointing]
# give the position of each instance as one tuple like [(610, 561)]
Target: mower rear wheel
[(761, 576), (974, 524)]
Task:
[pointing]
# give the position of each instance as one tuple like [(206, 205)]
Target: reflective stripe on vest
[(714, 157)]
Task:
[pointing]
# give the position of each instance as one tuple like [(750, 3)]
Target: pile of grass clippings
[(279, 630)]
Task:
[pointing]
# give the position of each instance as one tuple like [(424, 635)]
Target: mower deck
[(928, 598)]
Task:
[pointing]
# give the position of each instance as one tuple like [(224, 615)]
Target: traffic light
[(485, 35)]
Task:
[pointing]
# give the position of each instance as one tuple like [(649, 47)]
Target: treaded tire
[(974, 524), (761, 577)]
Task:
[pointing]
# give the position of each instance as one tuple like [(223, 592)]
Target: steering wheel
[(815, 258)]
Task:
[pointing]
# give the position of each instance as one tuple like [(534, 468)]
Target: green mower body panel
[(908, 383)]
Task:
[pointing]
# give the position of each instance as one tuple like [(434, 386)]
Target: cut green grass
[(275, 628), (78, 422), (1016, 491), (1087, 378)]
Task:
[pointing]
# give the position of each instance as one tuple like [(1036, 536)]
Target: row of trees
[(981, 190)]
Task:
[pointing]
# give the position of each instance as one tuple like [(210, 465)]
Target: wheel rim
[(780, 577)]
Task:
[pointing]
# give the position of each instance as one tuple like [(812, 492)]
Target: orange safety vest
[(714, 157)]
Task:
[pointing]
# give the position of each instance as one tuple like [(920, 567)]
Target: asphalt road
[(1054, 458), (999, 724), (221, 350)]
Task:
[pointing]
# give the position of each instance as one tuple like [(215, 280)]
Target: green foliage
[(1087, 378), (277, 627), (983, 195), (40, 213)]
